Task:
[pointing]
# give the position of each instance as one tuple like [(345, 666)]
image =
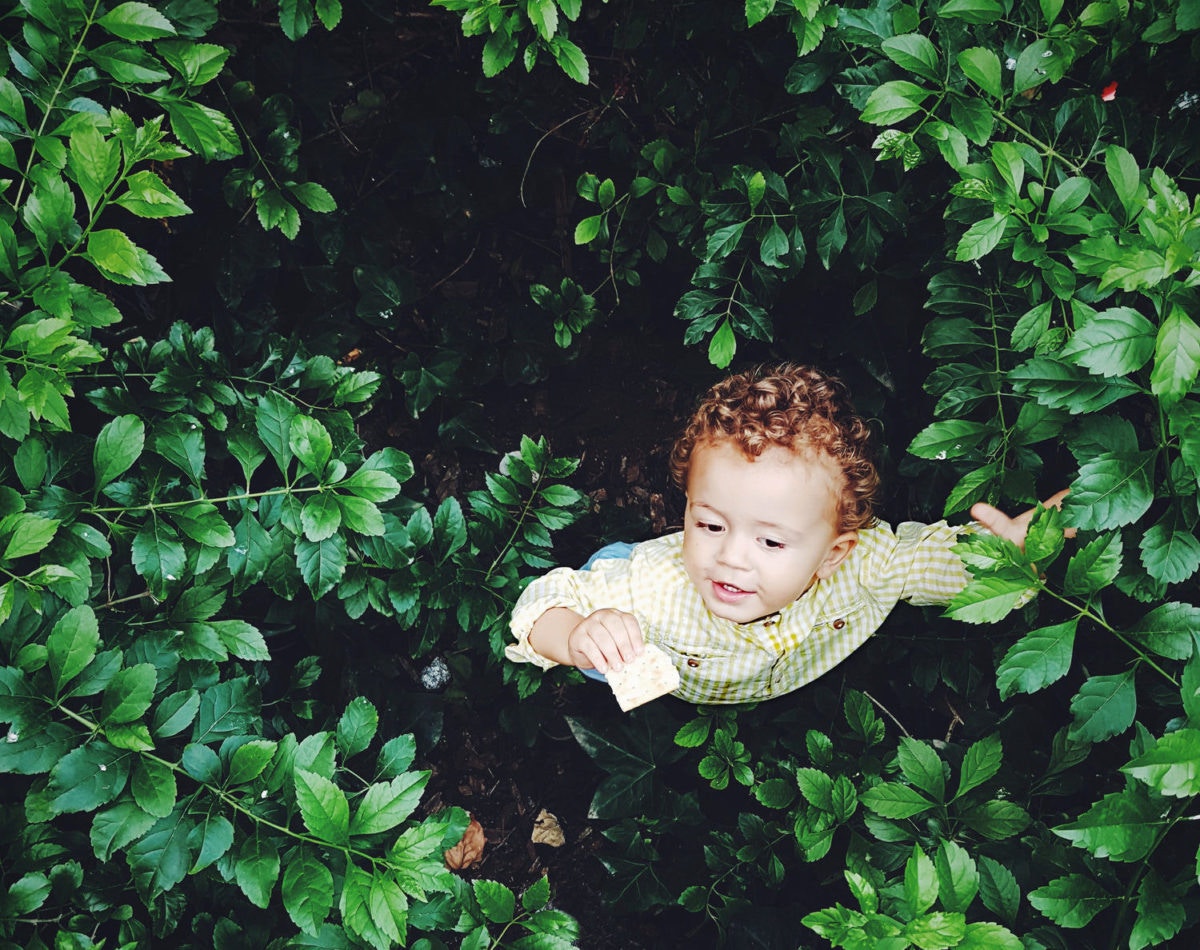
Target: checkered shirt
[(720, 661)]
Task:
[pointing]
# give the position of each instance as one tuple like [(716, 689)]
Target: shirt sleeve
[(923, 563), (607, 584)]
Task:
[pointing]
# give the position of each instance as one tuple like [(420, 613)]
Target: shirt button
[(839, 623), (693, 663)]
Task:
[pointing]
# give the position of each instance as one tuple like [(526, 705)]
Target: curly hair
[(795, 407)]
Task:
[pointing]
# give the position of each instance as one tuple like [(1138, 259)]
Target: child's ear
[(842, 545)]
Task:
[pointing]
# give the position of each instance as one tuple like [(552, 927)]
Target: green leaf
[(948, 438), (543, 14), (396, 756), (988, 598), (1111, 490), (922, 767), (322, 563), (1160, 913), (570, 59), (1104, 707), (1071, 901), (1170, 551), (1122, 826), (893, 101), (1176, 357), (371, 485), (128, 694), (386, 804), (982, 67), (87, 777), (357, 726), (588, 228), (1123, 172), (29, 534), (914, 52), (1038, 659), (157, 554), (1094, 566), (958, 878), (981, 761), (1172, 765), (310, 442), (136, 22), (758, 10), (72, 645), (1114, 342), (497, 902), (321, 516), (250, 760), (996, 819), (307, 892), (273, 423), (987, 936), (920, 882), (722, 346), (536, 895), (257, 869), (314, 197), (120, 260), (1168, 629), (175, 713), (160, 859), (971, 11), (202, 522), (210, 840), (998, 889), (153, 786), (116, 828), (981, 238), (323, 807), (148, 196), (242, 639), (117, 447), (894, 800)]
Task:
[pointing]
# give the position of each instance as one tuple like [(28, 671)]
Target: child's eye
[(708, 526), (772, 544)]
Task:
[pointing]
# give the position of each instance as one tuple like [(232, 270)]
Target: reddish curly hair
[(797, 408)]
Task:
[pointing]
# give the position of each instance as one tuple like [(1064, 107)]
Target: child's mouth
[(728, 594)]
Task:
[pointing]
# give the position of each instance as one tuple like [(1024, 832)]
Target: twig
[(887, 712)]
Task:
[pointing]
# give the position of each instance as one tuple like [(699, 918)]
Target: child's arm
[(1014, 529), (605, 639)]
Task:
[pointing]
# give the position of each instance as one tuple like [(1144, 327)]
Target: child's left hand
[(1014, 529)]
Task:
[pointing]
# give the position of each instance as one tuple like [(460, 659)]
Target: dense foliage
[(1032, 164), (159, 502), (989, 200)]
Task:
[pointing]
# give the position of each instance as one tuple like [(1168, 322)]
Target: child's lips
[(728, 593)]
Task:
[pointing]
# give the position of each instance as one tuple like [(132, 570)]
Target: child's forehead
[(798, 452)]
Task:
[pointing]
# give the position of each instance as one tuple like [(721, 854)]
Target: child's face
[(759, 532)]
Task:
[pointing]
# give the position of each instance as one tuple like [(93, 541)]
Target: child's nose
[(733, 552)]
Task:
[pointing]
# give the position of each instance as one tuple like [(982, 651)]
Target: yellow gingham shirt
[(720, 661)]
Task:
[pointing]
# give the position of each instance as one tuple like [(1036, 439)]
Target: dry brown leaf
[(469, 851), (547, 830)]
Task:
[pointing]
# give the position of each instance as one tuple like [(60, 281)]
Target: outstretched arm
[(1014, 529)]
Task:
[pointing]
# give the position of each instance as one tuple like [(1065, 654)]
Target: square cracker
[(649, 676)]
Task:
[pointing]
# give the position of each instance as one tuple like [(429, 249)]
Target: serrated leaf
[(1113, 342), (307, 892), (1122, 826), (357, 726), (922, 767), (117, 447), (72, 644), (1111, 490), (1038, 659), (323, 807), (1172, 765), (1071, 901), (1104, 707), (129, 694), (981, 761), (497, 902), (257, 869), (895, 800), (386, 804)]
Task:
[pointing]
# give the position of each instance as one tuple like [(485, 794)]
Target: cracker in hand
[(649, 676)]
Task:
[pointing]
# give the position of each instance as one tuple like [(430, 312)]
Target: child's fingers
[(608, 639)]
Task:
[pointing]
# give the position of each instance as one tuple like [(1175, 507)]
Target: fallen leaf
[(547, 830), (469, 851)]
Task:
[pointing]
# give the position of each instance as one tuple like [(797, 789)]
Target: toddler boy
[(781, 570)]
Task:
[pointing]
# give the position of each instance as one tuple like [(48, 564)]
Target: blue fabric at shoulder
[(617, 550)]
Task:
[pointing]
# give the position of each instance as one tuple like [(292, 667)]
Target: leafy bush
[(161, 509), (1031, 165)]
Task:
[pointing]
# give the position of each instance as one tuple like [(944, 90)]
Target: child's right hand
[(605, 640)]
